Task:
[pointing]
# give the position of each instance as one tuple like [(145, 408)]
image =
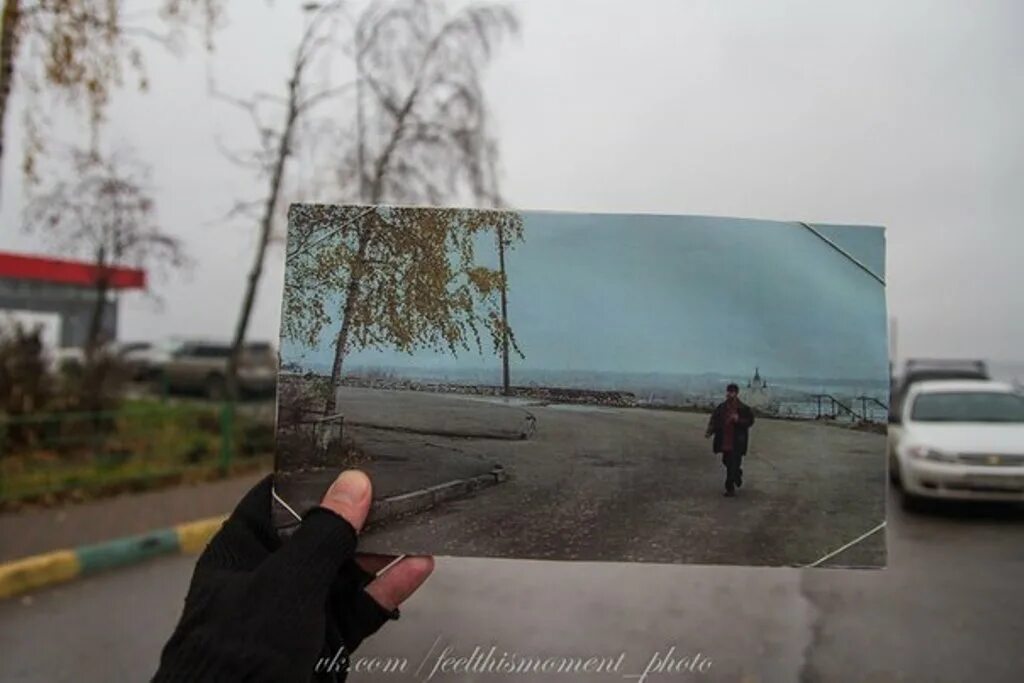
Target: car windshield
[(168, 346), (968, 406), (134, 347), (259, 353), (211, 351)]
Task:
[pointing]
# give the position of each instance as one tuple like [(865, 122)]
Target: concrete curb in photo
[(39, 571), (424, 499)]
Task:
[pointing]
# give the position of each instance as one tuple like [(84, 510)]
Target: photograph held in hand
[(593, 387)]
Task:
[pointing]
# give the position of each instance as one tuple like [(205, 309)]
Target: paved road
[(948, 609), (612, 484)]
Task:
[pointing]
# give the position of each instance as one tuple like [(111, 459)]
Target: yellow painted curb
[(194, 536), (36, 571)]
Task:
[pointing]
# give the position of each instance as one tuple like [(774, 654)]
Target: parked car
[(67, 359), (959, 439), (71, 359), (145, 361), (201, 366)]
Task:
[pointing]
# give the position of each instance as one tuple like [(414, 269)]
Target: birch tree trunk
[(9, 24), (266, 227)]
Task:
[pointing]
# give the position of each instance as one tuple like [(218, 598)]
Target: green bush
[(256, 439), (198, 450), (26, 386)]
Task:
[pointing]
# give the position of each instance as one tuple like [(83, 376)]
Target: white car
[(959, 439), (68, 358)]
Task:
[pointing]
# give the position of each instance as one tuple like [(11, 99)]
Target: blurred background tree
[(102, 209), (79, 51), (276, 143), (421, 130)]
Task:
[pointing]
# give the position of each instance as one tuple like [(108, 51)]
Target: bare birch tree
[(421, 132), (276, 146)]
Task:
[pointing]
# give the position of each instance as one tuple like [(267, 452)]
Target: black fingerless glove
[(258, 610)]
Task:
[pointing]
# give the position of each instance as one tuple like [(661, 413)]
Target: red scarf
[(729, 428)]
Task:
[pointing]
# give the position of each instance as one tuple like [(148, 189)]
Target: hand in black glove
[(260, 611)]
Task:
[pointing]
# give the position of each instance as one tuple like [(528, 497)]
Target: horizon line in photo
[(743, 378)]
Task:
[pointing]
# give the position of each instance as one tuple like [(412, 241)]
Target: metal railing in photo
[(868, 402), (133, 447), (329, 431), (832, 408)]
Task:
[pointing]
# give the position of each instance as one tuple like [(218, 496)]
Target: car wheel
[(216, 389), (911, 503)]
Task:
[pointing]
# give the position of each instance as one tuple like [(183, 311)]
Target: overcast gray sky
[(906, 115)]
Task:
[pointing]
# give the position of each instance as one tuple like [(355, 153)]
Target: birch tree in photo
[(402, 278)]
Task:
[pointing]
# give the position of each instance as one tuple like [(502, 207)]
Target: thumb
[(349, 497)]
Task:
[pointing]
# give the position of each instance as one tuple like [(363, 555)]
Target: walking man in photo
[(730, 424)]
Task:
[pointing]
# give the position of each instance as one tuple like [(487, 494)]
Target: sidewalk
[(436, 415), (40, 530), (401, 463)]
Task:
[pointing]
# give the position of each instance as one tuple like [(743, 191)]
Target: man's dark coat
[(741, 430)]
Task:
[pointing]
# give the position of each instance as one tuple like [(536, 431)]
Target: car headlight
[(932, 454)]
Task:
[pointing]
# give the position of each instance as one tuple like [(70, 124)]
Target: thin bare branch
[(81, 51)]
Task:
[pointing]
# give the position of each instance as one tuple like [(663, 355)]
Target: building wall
[(73, 304)]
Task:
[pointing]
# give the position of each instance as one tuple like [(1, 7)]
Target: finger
[(363, 569), (393, 587), (373, 563), (349, 496), (326, 539)]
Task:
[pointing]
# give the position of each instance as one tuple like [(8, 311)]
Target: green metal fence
[(142, 442)]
